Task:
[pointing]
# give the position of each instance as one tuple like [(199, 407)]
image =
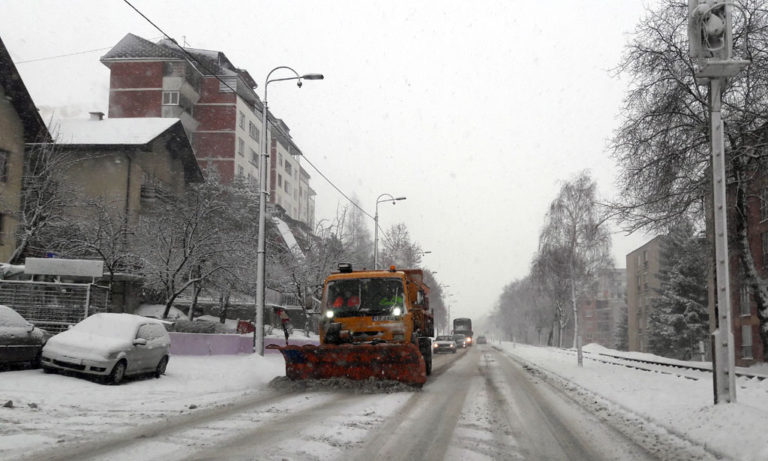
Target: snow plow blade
[(398, 362)]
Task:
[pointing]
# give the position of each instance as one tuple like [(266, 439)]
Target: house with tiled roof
[(20, 123)]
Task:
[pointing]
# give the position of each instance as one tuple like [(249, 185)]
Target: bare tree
[(46, 198), (182, 240), (398, 248), (358, 244), (574, 236), (662, 144), (95, 229)]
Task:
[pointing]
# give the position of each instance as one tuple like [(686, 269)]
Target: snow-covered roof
[(111, 131), (134, 47)]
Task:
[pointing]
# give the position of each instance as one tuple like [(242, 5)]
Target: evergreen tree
[(679, 319)]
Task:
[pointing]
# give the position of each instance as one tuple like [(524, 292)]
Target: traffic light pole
[(711, 45), (723, 357)]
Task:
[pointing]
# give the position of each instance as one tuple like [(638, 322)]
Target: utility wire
[(191, 57), (63, 55), (336, 187)]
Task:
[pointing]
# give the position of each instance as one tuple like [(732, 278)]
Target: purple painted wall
[(220, 344)]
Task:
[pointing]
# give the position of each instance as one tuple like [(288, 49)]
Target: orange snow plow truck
[(375, 324)]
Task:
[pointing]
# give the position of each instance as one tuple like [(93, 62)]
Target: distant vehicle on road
[(20, 341), (444, 344), (460, 340), (111, 346), (463, 326), (482, 340)]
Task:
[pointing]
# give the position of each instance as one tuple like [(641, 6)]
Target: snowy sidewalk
[(683, 406)]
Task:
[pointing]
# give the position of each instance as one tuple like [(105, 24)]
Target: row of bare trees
[(574, 247)]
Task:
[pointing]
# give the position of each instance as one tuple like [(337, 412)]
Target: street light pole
[(376, 226), (258, 332)]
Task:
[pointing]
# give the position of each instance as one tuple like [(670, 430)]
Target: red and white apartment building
[(218, 107)]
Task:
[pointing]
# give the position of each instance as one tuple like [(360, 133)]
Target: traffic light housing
[(709, 30)]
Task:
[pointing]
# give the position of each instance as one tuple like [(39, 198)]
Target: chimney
[(97, 116)]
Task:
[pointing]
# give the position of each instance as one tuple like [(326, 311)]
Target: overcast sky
[(476, 111)]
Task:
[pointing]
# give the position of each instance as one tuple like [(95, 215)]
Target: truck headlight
[(329, 314), (397, 311)]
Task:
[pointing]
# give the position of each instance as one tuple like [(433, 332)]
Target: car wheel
[(160, 370), (118, 373), (48, 370)]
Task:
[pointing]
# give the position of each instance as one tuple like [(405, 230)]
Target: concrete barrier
[(222, 344), (210, 344)]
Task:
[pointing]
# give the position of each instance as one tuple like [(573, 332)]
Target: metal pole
[(376, 238), (724, 352), (258, 333)]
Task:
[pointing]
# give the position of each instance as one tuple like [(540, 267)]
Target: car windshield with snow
[(110, 346)]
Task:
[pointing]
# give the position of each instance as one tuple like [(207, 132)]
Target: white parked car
[(110, 345)]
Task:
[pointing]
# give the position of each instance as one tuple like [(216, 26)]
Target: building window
[(764, 203), (170, 98), (242, 119), (2, 229), (253, 131), (744, 306), (240, 171), (746, 341), (4, 156), (279, 180), (254, 156), (287, 186), (288, 168), (280, 159), (240, 146)]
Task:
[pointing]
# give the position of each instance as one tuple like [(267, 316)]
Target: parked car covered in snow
[(20, 341), (111, 346)]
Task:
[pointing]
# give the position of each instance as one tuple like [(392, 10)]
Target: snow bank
[(683, 406)]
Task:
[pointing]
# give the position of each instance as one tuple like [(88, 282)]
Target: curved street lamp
[(258, 332), (376, 225)]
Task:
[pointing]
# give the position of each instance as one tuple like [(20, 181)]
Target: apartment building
[(601, 311), (749, 348), (643, 266), (217, 103)]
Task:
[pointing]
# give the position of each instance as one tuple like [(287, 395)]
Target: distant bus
[(463, 326)]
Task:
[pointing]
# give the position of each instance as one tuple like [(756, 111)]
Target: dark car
[(444, 344), (20, 341), (460, 340), (482, 340)]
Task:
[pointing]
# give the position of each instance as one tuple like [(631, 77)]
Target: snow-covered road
[(482, 403)]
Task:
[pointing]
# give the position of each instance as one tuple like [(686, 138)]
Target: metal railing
[(54, 306)]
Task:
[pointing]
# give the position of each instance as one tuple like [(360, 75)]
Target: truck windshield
[(365, 296)]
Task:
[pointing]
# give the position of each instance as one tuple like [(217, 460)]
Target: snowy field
[(684, 406)]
